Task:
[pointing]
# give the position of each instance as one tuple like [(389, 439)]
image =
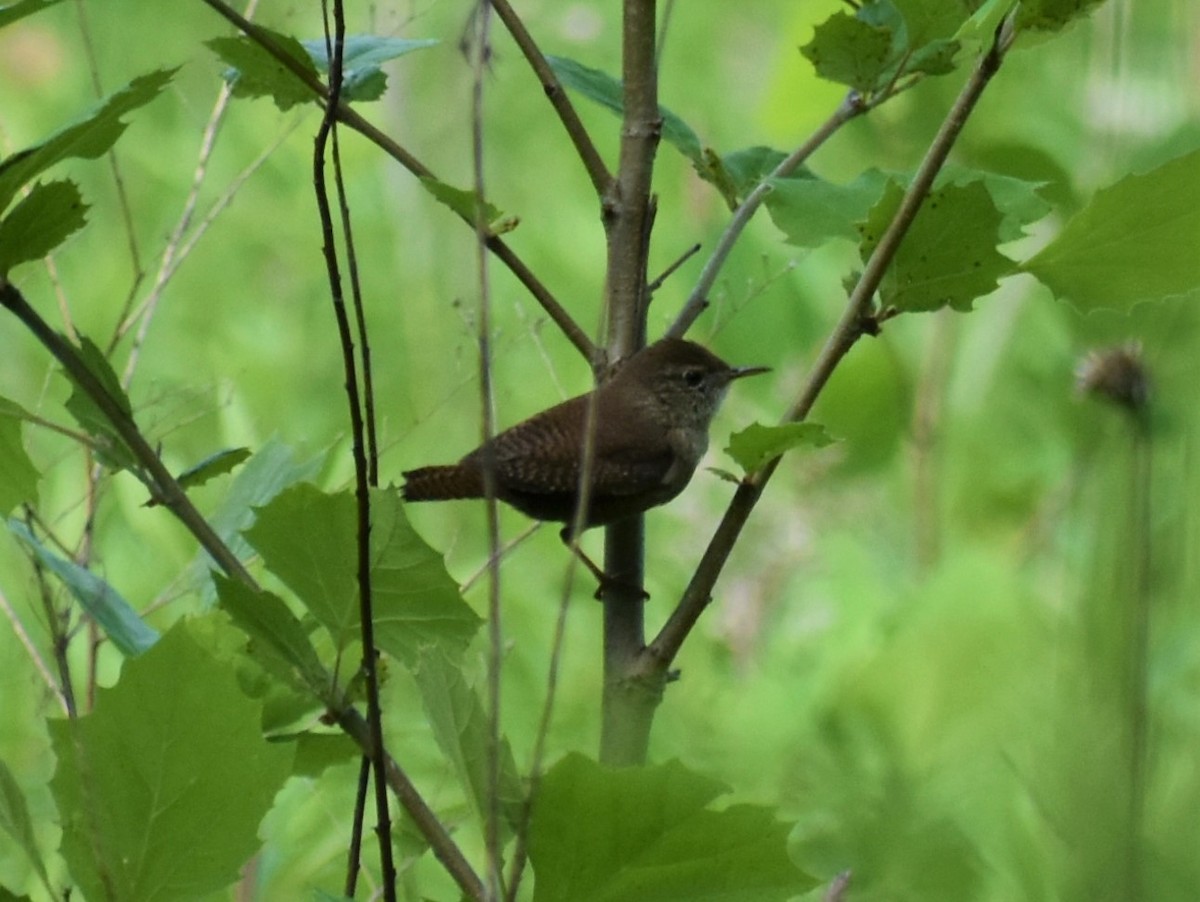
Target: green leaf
[(934, 58), (18, 475), (928, 22), (1052, 15), (274, 467), (948, 257), (608, 92), (747, 167), (308, 539), (755, 445), (40, 222), (268, 622), (416, 601), (255, 73), (11, 12), (161, 788), (111, 448), (104, 604), (607, 835), (362, 79), (466, 203), (1019, 200), (981, 27), (460, 727), (811, 211), (89, 138), (1135, 241), (884, 40), (212, 466), (849, 51), (15, 821), (317, 751)]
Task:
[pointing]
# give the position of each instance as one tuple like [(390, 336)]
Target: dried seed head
[(1116, 374)]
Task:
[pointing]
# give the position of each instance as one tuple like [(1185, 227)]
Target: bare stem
[(854, 321), (480, 38), (698, 300), (35, 656), (135, 257), (162, 484), (171, 495), (362, 485), (588, 154), (348, 116), (629, 214)]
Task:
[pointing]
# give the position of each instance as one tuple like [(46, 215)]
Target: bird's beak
[(737, 372)]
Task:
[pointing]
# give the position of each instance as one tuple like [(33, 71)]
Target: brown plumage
[(650, 431)]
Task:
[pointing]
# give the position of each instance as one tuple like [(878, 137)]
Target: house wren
[(650, 431)]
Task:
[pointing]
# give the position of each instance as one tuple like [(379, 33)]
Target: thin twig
[(664, 26), (360, 319), (698, 300), (135, 257), (348, 116), (838, 887), (57, 624), (444, 848), (683, 258), (354, 853), (479, 31), (167, 271), (335, 46), (537, 758), (588, 154), (167, 489), (661, 652), (470, 581), (34, 655), (1141, 545)]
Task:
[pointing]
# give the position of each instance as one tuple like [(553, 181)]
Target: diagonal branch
[(171, 495), (856, 320), (588, 154), (697, 301), (351, 118)]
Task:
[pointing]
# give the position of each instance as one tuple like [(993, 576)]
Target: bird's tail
[(442, 483)]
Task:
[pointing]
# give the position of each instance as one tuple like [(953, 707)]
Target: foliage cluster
[(954, 653)]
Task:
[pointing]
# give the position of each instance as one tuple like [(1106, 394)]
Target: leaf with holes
[(948, 257)]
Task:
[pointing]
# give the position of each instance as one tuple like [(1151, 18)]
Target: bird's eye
[(693, 377)]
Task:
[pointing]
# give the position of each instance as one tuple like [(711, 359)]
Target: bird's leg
[(602, 578)]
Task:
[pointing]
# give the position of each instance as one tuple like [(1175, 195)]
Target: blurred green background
[(921, 650)]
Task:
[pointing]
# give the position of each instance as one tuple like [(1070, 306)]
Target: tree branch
[(172, 496), (350, 117), (588, 154), (856, 319), (335, 45), (629, 212), (697, 301)]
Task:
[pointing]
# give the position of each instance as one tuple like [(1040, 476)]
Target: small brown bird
[(650, 431)]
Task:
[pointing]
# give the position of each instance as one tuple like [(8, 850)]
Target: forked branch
[(351, 118)]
